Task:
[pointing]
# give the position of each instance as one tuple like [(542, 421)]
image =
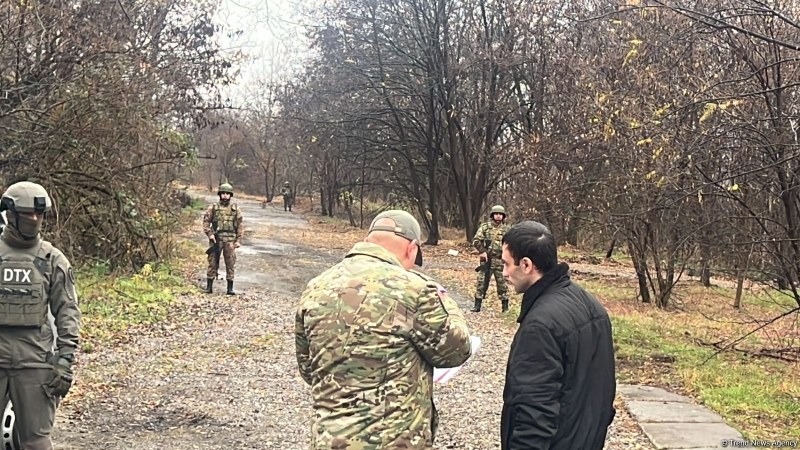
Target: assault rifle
[(216, 248), (487, 263)]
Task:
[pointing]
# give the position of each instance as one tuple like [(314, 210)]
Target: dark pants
[(34, 407)]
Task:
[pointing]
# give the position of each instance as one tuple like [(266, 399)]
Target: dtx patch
[(18, 276)]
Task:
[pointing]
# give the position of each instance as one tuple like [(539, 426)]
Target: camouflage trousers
[(229, 253), (482, 282), (34, 407)]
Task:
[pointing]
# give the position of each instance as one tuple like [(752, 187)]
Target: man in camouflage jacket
[(368, 333), (222, 223), (288, 196), (488, 241)]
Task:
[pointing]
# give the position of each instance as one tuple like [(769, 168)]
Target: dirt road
[(221, 372)]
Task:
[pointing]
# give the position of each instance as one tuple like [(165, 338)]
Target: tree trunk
[(737, 302), (641, 271), (705, 273), (266, 186), (610, 251), (322, 206), (348, 208), (741, 273), (573, 228)]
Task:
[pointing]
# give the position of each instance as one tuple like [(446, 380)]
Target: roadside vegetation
[(115, 301), (677, 348)]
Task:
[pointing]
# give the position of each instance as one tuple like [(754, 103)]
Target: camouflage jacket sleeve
[(440, 330), (207, 218), (301, 346), (63, 300), (239, 225), (479, 238)]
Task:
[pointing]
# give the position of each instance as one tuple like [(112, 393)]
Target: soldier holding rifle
[(222, 223), (488, 241)]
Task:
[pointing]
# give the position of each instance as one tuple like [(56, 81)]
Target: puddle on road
[(264, 263), (265, 246), (288, 221)]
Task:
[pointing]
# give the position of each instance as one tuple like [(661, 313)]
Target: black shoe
[(230, 288), (209, 286), (477, 307)]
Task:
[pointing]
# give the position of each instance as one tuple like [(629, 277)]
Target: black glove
[(62, 375)]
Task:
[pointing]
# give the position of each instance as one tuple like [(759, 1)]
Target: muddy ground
[(221, 372)]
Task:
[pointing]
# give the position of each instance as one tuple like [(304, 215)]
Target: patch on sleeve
[(69, 284), (445, 301)]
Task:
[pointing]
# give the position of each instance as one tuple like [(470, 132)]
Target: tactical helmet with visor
[(26, 197)]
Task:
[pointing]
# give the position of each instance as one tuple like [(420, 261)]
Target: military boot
[(505, 305), (230, 288), (210, 285), (477, 307)]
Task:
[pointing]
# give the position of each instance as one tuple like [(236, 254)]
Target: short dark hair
[(534, 241)]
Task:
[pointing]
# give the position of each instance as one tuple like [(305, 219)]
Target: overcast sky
[(272, 38)]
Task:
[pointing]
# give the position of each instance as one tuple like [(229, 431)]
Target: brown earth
[(220, 373)]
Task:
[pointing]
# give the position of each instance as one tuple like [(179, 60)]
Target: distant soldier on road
[(488, 241), (288, 196), (222, 223), (35, 279)]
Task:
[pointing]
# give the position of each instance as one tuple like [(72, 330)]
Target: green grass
[(112, 303), (605, 290), (775, 300), (760, 397), (196, 204)]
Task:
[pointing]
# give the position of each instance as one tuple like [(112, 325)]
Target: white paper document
[(444, 375)]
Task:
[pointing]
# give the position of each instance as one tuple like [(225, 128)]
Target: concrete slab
[(688, 435), (649, 393), (645, 411)]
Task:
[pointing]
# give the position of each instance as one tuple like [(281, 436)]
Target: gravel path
[(221, 374)]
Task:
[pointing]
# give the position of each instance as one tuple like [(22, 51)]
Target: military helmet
[(225, 188), (498, 209), (26, 197)]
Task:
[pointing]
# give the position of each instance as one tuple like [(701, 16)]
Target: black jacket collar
[(558, 273)]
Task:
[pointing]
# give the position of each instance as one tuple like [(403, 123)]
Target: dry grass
[(670, 348)]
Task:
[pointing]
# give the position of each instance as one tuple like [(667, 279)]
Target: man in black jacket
[(560, 380)]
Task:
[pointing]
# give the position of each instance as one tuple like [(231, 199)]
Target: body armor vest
[(223, 221), (23, 292), (494, 234)]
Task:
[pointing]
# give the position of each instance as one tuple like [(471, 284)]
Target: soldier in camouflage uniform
[(368, 333), (288, 196), (488, 241), (35, 279), (223, 221)]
